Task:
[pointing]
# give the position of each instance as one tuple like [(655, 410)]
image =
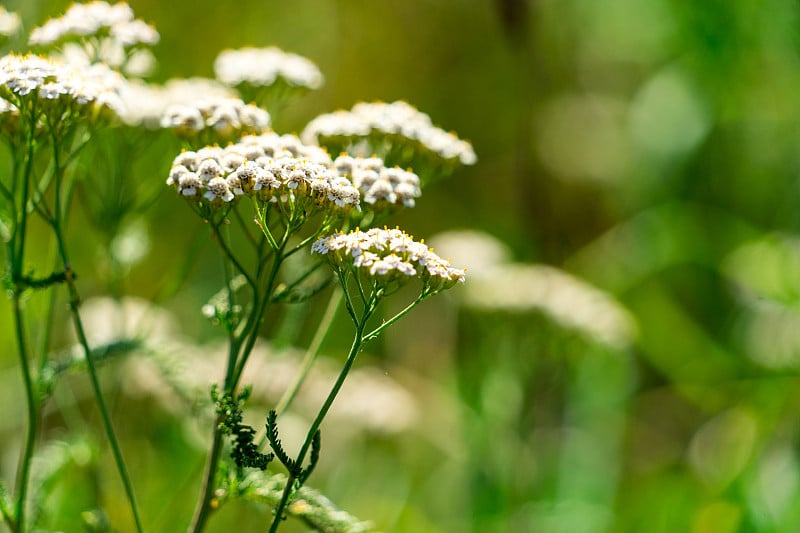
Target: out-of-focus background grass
[(649, 149)]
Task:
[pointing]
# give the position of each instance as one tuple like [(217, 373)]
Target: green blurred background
[(648, 148)]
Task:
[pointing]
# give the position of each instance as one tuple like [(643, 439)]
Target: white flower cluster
[(268, 167), (228, 118), (146, 104), (26, 76), (262, 67), (94, 18), (9, 22), (394, 119), (379, 185), (138, 62), (388, 252)]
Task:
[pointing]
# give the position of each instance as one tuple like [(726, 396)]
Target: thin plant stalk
[(234, 344), (239, 350), (242, 343), (287, 491), (74, 303), (312, 352), (23, 473), (17, 253), (360, 339)]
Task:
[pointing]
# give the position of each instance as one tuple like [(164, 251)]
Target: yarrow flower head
[(96, 19), (388, 255), (379, 186), (85, 91), (397, 127), (100, 32), (270, 168), (222, 119), (263, 67), (146, 104)]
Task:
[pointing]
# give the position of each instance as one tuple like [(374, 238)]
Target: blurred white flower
[(398, 119), (146, 104), (370, 400), (264, 66), (228, 118), (106, 320), (480, 250), (567, 300), (9, 22), (93, 18)]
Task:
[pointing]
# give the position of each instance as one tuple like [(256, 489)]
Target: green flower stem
[(7, 194), (351, 357), (240, 348), (74, 303), (204, 509), (377, 331), (228, 264), (16, 252), (359, 340), (44, 340), (262, 221), (265, 296), (245, 228), (285, 288), (324, 228), (312, 352), (23, 473), (218, 237), (252, 335)]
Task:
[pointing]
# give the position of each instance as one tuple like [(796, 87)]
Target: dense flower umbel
[(388, 255), (262, 67), (378, 185), (355, 178), (59, 86), (98, 32), (225, 118), (95, 18), (267, 167), (398, 119)]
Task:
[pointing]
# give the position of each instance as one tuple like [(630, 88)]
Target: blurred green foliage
[(649, 148)]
